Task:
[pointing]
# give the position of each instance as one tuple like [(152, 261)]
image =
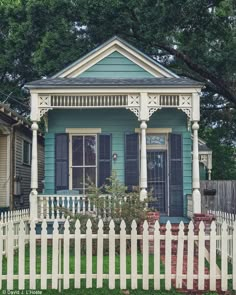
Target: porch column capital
[(34, 171), (196, 178), (143, 172)]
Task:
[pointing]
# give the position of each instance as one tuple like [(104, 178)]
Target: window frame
[(71, 166), (28, 163)]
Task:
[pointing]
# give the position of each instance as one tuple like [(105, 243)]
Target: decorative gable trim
[(128, 51)]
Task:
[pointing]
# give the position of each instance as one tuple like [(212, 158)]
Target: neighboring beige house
[(15, 159)]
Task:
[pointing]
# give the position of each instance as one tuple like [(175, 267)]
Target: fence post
[(157, 255), (180, 255), (111, 255), (44, 255), (55, 253), (201, 256), (145, 255), (213, 256), (190, 256), (224, 258), (1, 253), (10, 252), (77, 254), (32, 255), (122, 255), (134, 255), (168, 255), (21, 256), (100, 254), (234, 257), (89, 254), (66, 248)]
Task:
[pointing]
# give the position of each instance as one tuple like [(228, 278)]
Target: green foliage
[(112, 201), (194, 38)]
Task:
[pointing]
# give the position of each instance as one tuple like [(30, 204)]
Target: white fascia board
[(83, 64), (121, 91)]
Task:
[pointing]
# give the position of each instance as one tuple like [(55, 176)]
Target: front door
[(157, 179)]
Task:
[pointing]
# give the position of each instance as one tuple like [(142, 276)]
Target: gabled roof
[(124, 48), (114, 83)]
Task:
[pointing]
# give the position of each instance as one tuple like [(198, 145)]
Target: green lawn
[(83, 290)]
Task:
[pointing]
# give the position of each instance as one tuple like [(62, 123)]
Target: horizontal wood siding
[(3, 169), (116, 65), (50, 162), (117, 123)]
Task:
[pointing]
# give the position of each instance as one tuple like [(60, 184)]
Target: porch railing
[(58, 207)]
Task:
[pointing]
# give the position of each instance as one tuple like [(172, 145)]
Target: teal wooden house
[(117, 109)]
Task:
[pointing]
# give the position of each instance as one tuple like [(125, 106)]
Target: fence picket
[(100, 255), (157, 256), (213, 256), (1, 254), (77, 254), (145, 255), (10, 255), (32, 255), (55, 257), (66, 252), (89, 254), (168, 256), (180, 254), (44, 255), (134, 255), (201, 256), (224, 260), (21, 256), (122, 255), (190, 256), (234, 257), (111, 255), (16, 234)]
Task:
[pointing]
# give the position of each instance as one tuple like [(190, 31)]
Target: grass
[(105, 290)]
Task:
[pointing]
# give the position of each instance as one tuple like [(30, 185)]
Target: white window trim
[(70, 157), (83, 131)]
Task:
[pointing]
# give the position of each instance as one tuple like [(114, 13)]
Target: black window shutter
[(104, 158), (176, 175), (131, 160), (62, 161)]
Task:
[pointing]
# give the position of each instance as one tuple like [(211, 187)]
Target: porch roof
[(112, 83)]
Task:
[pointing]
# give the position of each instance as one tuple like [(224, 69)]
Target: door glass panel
[(156, 174), (90, 150), (77, 150), (77, 179)]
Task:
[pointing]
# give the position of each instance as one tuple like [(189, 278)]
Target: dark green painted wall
[(117, 122)]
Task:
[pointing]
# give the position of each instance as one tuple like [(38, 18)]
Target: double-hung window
[(83, 162)]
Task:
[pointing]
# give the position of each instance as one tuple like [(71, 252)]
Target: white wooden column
[(143, 168), (196, 178), (196, 173), (34, 172)]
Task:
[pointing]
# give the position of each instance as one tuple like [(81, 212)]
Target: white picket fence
[(62, 250), (229, 219), (15, 217)]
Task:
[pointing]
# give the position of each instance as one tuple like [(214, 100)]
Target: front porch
[(80, 117)]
